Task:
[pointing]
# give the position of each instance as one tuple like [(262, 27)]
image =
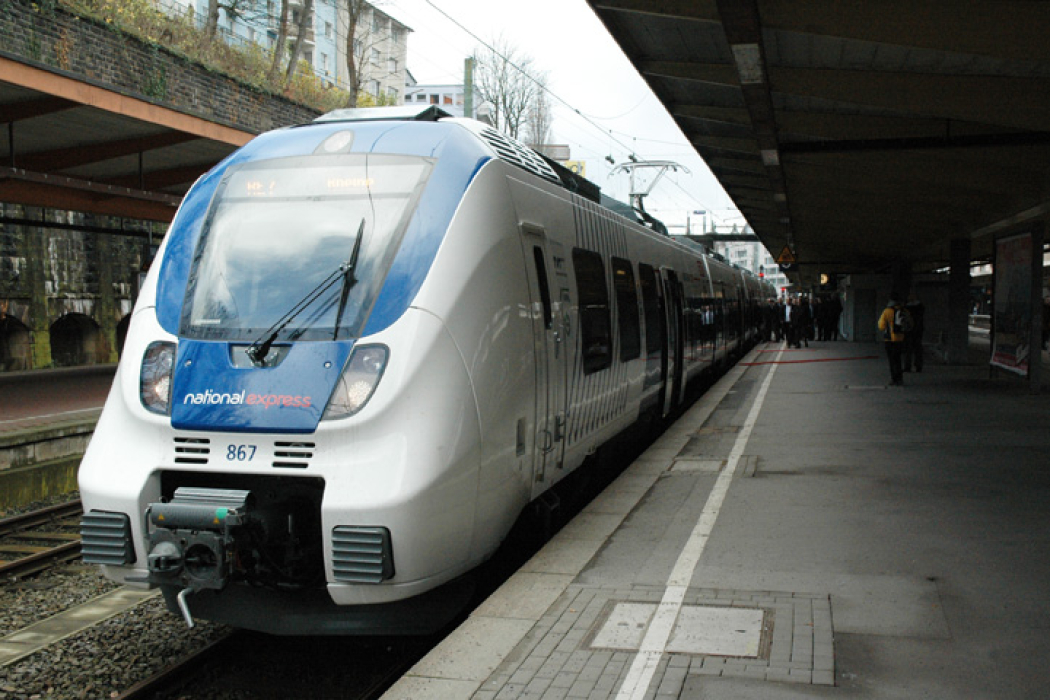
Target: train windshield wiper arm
[(258, 350), (349, 280)]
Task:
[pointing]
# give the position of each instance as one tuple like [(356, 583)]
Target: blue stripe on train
[(209, 393)]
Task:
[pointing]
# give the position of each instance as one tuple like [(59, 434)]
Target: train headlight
[(358, 381), (155, 377)]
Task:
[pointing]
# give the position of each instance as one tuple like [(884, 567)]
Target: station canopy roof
[(859, 134)]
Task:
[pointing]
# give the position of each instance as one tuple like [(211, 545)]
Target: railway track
[(34, 541), (243, 661)]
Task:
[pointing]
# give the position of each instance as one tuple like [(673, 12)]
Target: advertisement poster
[(1012, 315)]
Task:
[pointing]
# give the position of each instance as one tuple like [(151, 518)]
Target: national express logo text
[(213, 398)]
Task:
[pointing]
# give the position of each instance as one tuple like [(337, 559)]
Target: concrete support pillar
[(1035, 344), (901, 284), (958, 336)]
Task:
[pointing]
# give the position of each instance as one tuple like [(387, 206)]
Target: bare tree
[(282, 37), (306, 16), (509, 81), (538, 125), (361, 39), (235, 9), (355, 58)]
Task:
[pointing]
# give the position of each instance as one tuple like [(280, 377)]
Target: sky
[(602, 107)]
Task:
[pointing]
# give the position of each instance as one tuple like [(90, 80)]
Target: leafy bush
[(249, 63)]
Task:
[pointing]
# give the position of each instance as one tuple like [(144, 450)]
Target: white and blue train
[(366, 345)]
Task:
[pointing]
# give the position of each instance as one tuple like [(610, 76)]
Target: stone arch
[(16, 347), (122, 333), (75, 340)]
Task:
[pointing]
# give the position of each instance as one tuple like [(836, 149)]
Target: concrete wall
[(98, 53), (83, 282)]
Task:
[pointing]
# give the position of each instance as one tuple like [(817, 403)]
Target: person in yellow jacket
[(894, 341)]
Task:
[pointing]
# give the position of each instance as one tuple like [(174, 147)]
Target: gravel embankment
[(100, 661), (106, 659)]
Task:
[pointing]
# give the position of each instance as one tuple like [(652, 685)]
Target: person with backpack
[(912, 357), (890, 322)]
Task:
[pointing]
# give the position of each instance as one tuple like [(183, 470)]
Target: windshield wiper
[(258, 350), (349, 280)]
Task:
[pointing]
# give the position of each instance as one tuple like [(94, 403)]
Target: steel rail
[(43, 516), (177, 673), (19, 525)]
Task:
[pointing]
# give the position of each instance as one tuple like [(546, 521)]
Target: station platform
[(40, 399), (803, 531)]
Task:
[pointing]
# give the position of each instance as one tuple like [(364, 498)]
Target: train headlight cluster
[(358, 381), (155, 377)]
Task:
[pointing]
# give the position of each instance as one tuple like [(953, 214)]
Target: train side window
[(627, 309), (651, 309), (593, 294), (545, 292)]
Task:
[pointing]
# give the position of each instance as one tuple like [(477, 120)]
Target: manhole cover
[(699, 630), (717, 632)]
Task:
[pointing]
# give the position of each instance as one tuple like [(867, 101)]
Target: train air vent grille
[(106, 538), (192, 450), (361, 554), (293, 454), (512, 151)]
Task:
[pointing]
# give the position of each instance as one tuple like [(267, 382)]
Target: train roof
[(507, 148)]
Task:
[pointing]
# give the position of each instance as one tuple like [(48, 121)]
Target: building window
[(375, 57), (324, 62), (435, 99), (327, 30), (391, 65), (392, 93), (373, 88)]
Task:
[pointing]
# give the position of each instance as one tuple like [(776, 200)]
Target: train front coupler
[(192, 540)]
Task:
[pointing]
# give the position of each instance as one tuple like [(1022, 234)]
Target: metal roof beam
[(689, 10), (29, 109), (63, 159), (1014, 29), (1011, 102)]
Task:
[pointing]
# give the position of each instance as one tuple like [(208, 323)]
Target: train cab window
[(651, 309), (626, 309), (280, 238), (593, 294)]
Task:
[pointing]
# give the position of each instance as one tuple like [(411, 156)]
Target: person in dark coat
[(834, 310), (802, 322), (912, 355)]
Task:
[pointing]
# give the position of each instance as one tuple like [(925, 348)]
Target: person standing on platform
[(802, 319), (787, 328), (913, 339), (834, 312), (894, 340)]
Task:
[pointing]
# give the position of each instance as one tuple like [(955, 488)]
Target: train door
[(549, 288), (675, 376)]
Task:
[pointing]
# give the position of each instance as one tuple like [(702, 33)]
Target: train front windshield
[(281, 243)]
